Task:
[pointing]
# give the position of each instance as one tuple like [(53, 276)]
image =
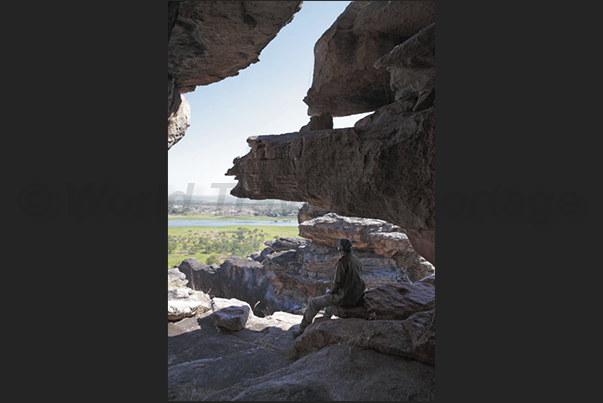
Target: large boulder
[(230, 314), (395, 301), (377, 236), (184, 302), (413, 338), (385, 239), (345, 82)]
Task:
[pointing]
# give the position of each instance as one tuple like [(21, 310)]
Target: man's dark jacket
[(348, 283)]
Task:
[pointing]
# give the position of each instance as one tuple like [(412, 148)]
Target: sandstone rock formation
[(366, 234), (178, 122), (377, 56), (203, 358), (395, 301), (211, 40), (380, 56), (374, 235), (284, 280), (307, 212), (228, 353), (291, 271), (413, 338), (385, 170), (341, 373), (345, 81), (176, 278), (230, 314), (262, 362), (183, 301), (412, 68)]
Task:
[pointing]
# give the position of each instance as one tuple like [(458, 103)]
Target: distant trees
[(241, 242)]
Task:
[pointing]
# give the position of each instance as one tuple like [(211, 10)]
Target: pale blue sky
[(265, 98)]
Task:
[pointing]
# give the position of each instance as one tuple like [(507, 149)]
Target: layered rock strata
[(212, 40), (383, 170), (379, 236), (383, 167)]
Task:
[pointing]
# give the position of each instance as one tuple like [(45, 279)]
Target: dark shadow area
[(203, 358)]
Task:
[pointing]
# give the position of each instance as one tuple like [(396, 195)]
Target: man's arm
[(339, 278)]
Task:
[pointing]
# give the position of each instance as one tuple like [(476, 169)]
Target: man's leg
[(316, 304)]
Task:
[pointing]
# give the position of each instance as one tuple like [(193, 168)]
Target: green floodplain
[(228, 217), (214, 244)]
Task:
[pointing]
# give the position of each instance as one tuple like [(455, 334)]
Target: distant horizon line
[(171, 195)]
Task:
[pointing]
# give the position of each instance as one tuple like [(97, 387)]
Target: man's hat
[(344, 244)]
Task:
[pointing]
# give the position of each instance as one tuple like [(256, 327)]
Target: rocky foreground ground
[(382, 350), (242, 348)]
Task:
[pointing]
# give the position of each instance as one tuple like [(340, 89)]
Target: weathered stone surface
[(262, 360), (341, 373), (377, 236), (203, 358), (383, 170), (193, 380), (421, 329), (230, 314), (415, 265), (286, 275), (176, 278), (321, 122), (307, 212), (212, 40), (178, 122), (193, 270), (172, 15), (412, 68), (184, 302), (395, 301), (413, 338), (345, 82)]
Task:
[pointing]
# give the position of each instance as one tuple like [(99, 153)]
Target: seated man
[(348, 286)]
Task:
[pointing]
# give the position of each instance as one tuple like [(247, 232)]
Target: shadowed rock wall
[(211, 40)]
